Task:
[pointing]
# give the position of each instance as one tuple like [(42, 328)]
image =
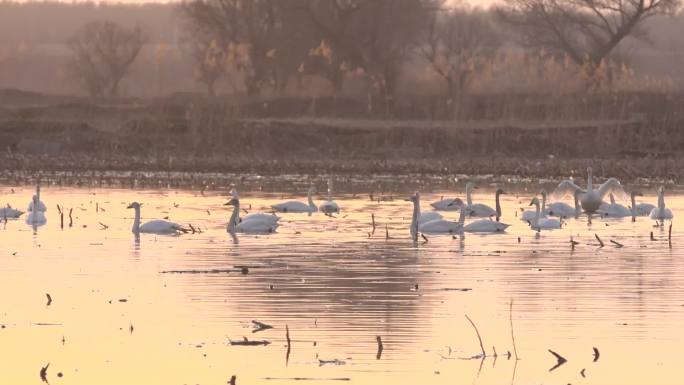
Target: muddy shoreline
[(350, 175)]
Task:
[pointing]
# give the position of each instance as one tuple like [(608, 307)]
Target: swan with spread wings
[(590, 198)]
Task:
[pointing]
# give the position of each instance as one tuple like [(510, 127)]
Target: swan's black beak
[(531, 203), (129, 206)]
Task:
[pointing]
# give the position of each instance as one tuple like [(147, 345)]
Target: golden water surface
[(119, 317)]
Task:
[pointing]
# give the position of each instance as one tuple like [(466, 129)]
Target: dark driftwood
[(617, 244), (596, 354), (246, 342), (289, 345), (233, 380), (669, 236), (510, 318), (43, 373), (308, 378), (561, 360), (380, 348), (49, 299), (598, 239), (478, 336), (259, 326)]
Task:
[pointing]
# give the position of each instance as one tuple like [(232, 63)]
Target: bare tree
[(587, 31), (253, 26), (102, 52), (457, 43)]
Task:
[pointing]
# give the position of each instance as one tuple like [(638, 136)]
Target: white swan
[(564, 210), (614, 210), (477, 209), (488, 225), (329, 206), (543, 223), (36, 217), (247, 226), (9, 212), (444, 204), (642, 209), (297, 206), (427, 216), (661, 213), (157, 226), (529, 215), (264, 218), (437, 226), (36, 204), (591, 198)]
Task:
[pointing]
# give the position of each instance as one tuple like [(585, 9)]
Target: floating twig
[(617, 244), (652, 238), (573, 243), (478, 336), (669, 236), (259, 326), (596, 354), (308, 378), (43, 373), (49, 299), (246, 342), (71, 220), (289, 344), (380, 347), (373, 221), (582, 372), (331, 362), (424, 237), (510, 318), (387, 232), (103, 226), (233, 380), (561, 360), (599, 240)]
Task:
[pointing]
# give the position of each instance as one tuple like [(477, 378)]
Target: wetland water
[(116, 318)]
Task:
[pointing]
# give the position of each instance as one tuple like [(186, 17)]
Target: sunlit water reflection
[(336, 288)]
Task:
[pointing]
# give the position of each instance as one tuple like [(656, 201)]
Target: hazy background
[(34, 55)]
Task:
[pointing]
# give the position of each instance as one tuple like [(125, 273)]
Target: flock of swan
[(588, 200)]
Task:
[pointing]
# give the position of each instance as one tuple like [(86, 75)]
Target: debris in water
[(380, 348), (596, 354), (561, 360), (259, 326), (331, 362), (49, 299), (246, 342), (43, 373)]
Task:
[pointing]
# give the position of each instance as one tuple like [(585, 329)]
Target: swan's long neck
[(38, 193), (536, 214), (543, 206), (469, 199), (498, 206), (311, 202), (136, 221), (661, 199), (590, 182), (634, 212), (414, 219), (233, 219), (612, 199), (578, 208), (462, 216)]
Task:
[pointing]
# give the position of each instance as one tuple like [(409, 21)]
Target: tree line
[(266, 46)]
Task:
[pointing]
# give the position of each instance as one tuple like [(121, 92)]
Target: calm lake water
[(116, 317)]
